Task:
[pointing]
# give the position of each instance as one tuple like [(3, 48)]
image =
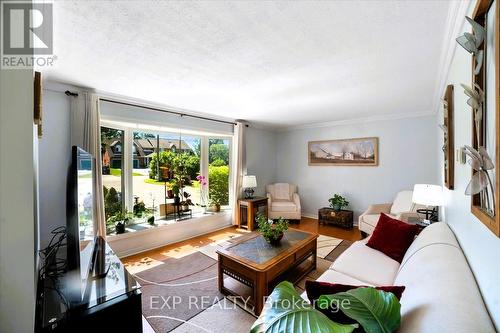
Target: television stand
[(99, 266), (110, 299)]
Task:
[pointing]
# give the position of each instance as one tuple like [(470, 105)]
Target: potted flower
[(186, 202), (120, 220), (170, 191), (338, 202), (215, 203), (203, 190), (270, 230), (176, 190)]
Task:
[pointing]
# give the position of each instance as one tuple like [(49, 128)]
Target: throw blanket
[(282, 191)]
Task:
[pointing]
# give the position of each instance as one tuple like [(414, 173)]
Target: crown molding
[(454, 23), (355, 121)]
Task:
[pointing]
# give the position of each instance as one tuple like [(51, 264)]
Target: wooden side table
[(248, 211), (341, 218)]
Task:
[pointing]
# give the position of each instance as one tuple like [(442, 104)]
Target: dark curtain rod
[(69, 93)]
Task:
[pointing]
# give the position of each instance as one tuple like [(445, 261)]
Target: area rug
[(181, 294)]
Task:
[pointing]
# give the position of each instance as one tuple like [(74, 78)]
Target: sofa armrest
[(379, 208), (296, 201), (269, 202), (405, 216)]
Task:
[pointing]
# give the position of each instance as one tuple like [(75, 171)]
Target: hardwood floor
[(312, 225), (148, 259)]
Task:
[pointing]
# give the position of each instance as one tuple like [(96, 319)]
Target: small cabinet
[(341, 218)]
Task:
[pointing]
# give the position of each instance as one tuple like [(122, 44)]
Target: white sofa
[(283, 201), (402, 208), (441, 293)]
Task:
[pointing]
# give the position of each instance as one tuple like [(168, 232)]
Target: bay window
[(168, 175)]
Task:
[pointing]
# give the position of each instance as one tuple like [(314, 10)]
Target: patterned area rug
[(180, 294)]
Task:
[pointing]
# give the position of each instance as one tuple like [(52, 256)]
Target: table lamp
[(249, 183), (429, 196)]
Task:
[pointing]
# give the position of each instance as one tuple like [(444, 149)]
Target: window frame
[(128, 156)]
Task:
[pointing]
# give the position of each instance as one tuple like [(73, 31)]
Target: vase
[(120, 228), (337, 208), (275, 241)]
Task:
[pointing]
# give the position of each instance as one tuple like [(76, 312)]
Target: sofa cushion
[(441, 293), (283, 206), (336, 277), (392, 237), (366, 265), (403, 203), (332, 276)]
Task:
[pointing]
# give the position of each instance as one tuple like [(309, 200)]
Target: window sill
[(136, 241)]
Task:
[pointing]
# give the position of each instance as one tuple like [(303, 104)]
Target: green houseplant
[(151, 219), (376, 311), (338, 202), (270, 230), (120, 220)]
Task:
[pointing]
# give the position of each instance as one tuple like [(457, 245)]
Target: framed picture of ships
[(350, 152)]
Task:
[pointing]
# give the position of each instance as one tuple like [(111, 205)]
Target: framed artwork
[(448, 138), (354, 152), (485, 205)]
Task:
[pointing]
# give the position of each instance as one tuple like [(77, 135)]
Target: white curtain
[(238, 166), (86, 133)]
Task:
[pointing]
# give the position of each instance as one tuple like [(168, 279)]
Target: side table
[(248, 209)]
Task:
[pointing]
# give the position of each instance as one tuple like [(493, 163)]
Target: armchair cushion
[(283, 206), (371, 219), (282, 191), (402, 203), (379, 208)]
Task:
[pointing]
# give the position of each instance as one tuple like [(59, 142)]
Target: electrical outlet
[(460, 155)]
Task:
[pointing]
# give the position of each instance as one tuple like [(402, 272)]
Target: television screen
[(79, 210)]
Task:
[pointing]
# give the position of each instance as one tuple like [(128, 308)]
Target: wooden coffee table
[(251, 267)]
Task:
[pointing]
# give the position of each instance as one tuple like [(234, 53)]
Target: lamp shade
[(428, 195), (249, 181)]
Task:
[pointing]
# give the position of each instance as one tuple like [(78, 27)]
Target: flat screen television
[(79, 217)]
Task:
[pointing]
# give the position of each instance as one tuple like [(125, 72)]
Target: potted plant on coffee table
[(338, 202), (272, 231)]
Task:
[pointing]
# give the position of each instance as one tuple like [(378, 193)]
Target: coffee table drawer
[(237, 267), (280, 267), (309, 248)]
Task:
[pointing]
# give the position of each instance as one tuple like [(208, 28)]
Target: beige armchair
[(402, 208), (283, 201)]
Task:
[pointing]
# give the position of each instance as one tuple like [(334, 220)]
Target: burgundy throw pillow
[(315, 289), (392, 237)]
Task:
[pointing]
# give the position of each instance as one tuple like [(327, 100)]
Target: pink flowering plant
[(203, 190)]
